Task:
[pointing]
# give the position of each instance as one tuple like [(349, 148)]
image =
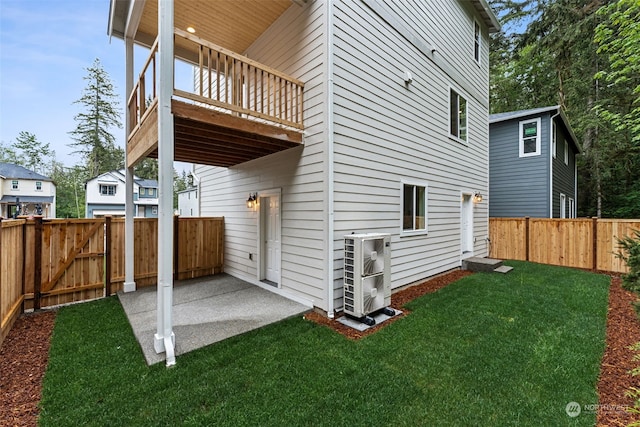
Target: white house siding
[(295, 45), (386, 132)]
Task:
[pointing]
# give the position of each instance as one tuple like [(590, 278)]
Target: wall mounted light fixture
[(477, 197), (251, 201)]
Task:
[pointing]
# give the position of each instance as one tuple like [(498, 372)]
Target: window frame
[(566, 152), (521, 139), (477, 41), (459, 95), (107, 187), (414, 231), (554, 138), (38, 185), (15, 185), (572, 207), (563, 206)]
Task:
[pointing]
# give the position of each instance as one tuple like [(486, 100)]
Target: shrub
[(630, 252), (634, 392)]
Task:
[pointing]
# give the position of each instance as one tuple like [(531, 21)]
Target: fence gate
[(72, 264)]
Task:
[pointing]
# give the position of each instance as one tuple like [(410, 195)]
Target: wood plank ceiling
[(232, 24)]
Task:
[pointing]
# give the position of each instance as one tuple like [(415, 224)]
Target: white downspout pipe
[(551, 153), (164, 339), (129, 279), (330, 157)]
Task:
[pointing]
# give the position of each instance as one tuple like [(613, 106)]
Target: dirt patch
[(623, 330), (23, 361)]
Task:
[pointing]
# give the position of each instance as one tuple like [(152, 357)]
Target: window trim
[(521, 139), (566, 152), (421, 231), (563, 206), (15, 185), (572, 207), (39, 184), (100, 186), (477, 41), (459, 94)]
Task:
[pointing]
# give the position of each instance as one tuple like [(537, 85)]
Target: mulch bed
[(24, 354), (23, 361)]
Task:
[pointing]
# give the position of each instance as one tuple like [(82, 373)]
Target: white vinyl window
[(14, 185), (572, 208), (477, 40), (107, 190), (457, 116), (414, 208), (38, 185), (563, 206), (529, 144), (566, 152), (554, 139)]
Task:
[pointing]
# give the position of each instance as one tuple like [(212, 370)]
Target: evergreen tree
[(92, 134), (147, 168), (34, 153), (70, 190)]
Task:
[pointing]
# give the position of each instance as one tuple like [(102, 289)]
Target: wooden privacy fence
[(50, 262), (583, 243)]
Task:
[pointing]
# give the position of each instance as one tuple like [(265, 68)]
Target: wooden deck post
[(594, 233), (37, 263), (107, 256)]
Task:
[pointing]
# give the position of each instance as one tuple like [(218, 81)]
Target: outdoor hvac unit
[(367, 274)]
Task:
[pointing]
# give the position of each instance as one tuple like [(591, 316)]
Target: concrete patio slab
[(205, 311)]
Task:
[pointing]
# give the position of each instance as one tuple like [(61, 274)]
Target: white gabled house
[(105, 196), (338, 117), (25, 191)]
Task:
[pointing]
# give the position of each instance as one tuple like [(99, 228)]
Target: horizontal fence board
[(581, 243)]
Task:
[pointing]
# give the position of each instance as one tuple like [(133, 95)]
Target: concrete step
[(481, 264), (504, 269)]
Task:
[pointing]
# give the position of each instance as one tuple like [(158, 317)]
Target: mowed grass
[(489, 349)]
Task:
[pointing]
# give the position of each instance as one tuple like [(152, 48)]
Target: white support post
[(129, 279), (164, 340)]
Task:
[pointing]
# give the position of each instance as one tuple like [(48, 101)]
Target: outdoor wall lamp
[(251, 201), (477, 197)]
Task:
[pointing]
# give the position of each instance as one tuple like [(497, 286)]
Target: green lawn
[(489, 349)]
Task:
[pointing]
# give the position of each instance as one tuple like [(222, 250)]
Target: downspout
[(551, 161), (330, 157)]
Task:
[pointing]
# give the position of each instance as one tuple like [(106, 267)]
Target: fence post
[(594, 233), (107, 256), (176, 247), (37, 261), (24, 263), (526, 238)]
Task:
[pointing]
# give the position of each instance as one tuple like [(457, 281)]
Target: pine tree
[(34, 153), (92, 133)]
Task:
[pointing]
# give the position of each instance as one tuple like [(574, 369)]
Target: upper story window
[(38, 185), (529, 138), (457, 116), (477, 40), (554, 139), (414, 208), (142, 191), (566, 152), (107, 190), (14, 184)]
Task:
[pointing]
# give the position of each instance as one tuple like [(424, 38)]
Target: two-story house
[(533, 169), (25, 191), (311, 120), (105, 195)]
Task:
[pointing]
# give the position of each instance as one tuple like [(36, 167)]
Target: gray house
[(532, 164)]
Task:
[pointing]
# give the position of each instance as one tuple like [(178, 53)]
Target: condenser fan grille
[(373, 293), (372, 256)]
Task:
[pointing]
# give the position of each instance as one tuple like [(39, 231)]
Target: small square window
[(38, 185), (457, 116), (414, 207), (529, 144), (14, 185)]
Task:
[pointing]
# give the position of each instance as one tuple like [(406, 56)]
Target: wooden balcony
[(240, 110)]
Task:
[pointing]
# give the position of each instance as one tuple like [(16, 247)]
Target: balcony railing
[(224, 81)]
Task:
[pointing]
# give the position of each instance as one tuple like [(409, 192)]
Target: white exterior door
[(272, 233), (466, 226)]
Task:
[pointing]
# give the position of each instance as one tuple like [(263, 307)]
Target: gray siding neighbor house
[(532, 164)]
